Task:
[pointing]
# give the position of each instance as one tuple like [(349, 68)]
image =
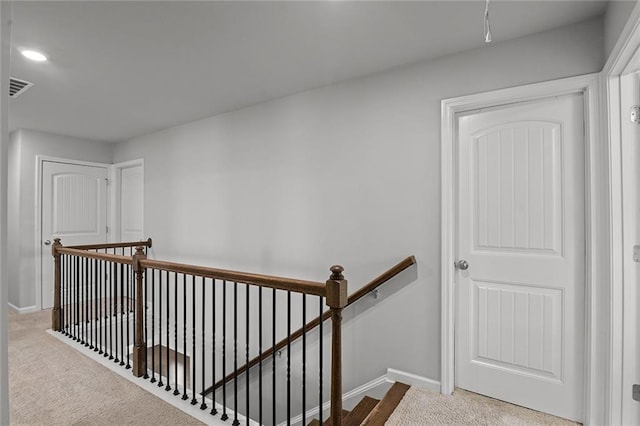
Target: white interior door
[(520, 301), (129, 201), (74, 209)]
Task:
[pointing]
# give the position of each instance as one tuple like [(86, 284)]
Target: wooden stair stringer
[(360, 411), (383, 410)]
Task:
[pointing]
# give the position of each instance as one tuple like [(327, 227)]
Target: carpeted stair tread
[(384, 408), (360, 411)]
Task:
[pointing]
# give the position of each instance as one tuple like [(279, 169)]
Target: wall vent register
[(18, 87)]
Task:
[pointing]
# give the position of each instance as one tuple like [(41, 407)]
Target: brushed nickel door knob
[(463, 265)]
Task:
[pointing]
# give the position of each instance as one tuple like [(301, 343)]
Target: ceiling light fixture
[(34, 55), (487, 25)]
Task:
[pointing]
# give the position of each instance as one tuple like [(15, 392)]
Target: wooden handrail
[(115, 258), (357, 295), (147, 243), (289, 284)]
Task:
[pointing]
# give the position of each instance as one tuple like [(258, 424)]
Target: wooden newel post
[(336, 300), (56, 312), (140, 348)]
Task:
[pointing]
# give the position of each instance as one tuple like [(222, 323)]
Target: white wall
[(345, 174), (5, 43), (25, 146), (13, 216), (615, 18)]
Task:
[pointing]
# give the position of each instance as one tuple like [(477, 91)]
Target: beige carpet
[(51, 383), (424, 407)]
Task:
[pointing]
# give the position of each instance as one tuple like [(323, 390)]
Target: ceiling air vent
[(18, 87)]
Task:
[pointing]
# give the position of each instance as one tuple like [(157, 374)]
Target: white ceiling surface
[(123, 69)]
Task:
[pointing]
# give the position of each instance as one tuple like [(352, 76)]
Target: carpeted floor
[(50, 383), (424, 407)]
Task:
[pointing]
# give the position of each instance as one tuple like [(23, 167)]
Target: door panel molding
[(596, 200), (40, 160)]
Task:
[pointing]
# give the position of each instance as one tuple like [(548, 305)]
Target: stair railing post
[(140, 348), (336, 289), (57, 285)]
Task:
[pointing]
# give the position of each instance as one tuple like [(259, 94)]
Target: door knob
[(463, 265), (47, 243)]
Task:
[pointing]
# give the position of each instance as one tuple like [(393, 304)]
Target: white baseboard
[(354, 393), (25, 310), (412, 379)]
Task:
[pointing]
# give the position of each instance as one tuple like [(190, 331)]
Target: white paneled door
[(521, 251), (74, 209)]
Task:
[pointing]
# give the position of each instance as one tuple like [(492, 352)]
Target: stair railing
[(97, 292), (368, 288)]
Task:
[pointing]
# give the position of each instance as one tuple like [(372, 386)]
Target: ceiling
[(123, 69)]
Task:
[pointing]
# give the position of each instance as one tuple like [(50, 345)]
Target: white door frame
[(596, 204), (40, 159), (115, 192), (625, 58)]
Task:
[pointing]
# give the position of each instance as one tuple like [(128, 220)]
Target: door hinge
[(635, 393), (635, 114), (107, 228)]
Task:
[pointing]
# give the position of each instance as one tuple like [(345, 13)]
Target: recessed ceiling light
[(34, 55)]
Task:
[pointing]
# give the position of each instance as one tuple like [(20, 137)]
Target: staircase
[(370, 411), (205, 328)]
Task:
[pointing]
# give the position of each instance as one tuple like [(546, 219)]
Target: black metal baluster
[(175, 333), (115, 308), (260, 355), (62, 310), (203, 406), (304, 359), (70, 274), (273, 356), (146, 334), (94, 310), (71, 298), (235, 354), (224, 351), (121, 314), (153, 324), (100, 306), (111, 296), (288, 357), (320, 339), (78, 300), (77, 304), (87, 303), (184, 338), (213, 411), (247, 353), (168, 387), (83, 288), (128, 298), (194, 400), (160, 384), (65, 294)]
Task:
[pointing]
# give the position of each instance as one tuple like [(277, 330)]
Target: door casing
[(596, 203)]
